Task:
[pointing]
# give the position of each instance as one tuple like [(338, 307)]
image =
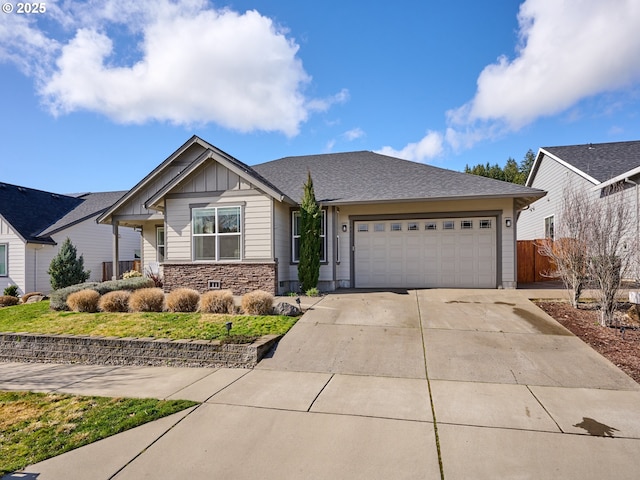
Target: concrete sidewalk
[(357, 389)]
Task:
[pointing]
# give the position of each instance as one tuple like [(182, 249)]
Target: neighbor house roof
[(368, 177), (597, 162), (35, 214)]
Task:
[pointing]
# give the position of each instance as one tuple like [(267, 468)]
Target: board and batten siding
[(256, 224), (16, 274), (555, 178)]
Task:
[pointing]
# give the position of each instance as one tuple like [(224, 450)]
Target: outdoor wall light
[(344, 227), (507, 222)]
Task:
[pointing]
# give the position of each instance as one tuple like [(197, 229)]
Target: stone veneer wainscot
[(240, 278)]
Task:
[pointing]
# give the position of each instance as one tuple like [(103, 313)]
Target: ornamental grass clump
[(117, 301), (257, 303), (183, 300), (84, 301), (147, 300), (8, 300), (217, 301)]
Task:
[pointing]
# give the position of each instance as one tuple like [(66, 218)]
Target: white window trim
[(216, 234), (159, 245), (553, 220), (323, 236), (5, 260)]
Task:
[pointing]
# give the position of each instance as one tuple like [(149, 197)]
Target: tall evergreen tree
[(310, 241), (67, 268)]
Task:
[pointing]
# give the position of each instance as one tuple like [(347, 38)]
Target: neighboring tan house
[(591, 167), (210, 221), (34, 224)]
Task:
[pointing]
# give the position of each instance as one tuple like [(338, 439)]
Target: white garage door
[(452, 252)]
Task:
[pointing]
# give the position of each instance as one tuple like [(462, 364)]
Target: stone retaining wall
[(240, 278), (29, 347)]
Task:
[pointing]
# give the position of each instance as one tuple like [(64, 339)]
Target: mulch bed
[(621, 349)]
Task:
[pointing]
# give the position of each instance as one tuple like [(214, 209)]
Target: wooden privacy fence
[(532, 265), (123, 266)]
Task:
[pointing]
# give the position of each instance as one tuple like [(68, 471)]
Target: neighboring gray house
[(210, 221), (34, 223), (591, 167)]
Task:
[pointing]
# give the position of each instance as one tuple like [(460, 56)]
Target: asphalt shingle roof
[(602, 161), (36, 214), (365, 176)]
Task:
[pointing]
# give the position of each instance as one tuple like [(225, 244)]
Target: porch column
[(116, 253)]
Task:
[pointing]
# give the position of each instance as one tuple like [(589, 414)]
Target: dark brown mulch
[(621, 350)]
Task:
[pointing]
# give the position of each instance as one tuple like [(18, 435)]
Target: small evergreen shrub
[(84, 301), (8, 300), (67, 268), (131, 274), (117, 301), (59, 297), (11, 291), (183, 300), (217, 301), (257, 303), (27, 296), (147, 300)]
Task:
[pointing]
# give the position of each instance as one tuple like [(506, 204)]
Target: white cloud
[(568, 51), (429, 147), (353, 134), (195, 65)]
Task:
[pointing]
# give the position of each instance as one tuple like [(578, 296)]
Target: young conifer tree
[(310, 242), (67, 268)]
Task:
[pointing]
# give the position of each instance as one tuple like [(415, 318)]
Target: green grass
[(38, 318), (37, 426)]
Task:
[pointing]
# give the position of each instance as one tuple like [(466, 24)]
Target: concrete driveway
[(421, 384)]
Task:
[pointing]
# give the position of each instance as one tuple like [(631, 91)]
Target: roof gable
[(175, 169), (598, 162)]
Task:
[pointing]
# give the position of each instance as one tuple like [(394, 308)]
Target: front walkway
[(375, 385)]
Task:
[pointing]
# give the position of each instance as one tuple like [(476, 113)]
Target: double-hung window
[(295, 240), (3, 259), (160, 244), (217, 233), (549, 227)]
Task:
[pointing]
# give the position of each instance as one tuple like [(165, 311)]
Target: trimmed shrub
[(147, 300), (59, 297), (84, 301), (67, 268), (131, 274), (117, 301), (27, 296), (125, 284), (257, 303), (11, 291), (217, 301), (8, 300), (183, 300)]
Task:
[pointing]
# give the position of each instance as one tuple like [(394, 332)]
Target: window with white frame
[(217, 233), (160, 244), (295, 236), (4, 259), (549, 227)]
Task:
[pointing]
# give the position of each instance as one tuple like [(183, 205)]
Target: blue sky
[(95, 94)]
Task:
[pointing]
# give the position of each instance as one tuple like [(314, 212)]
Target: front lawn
[(38, 318), (37, 426)]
